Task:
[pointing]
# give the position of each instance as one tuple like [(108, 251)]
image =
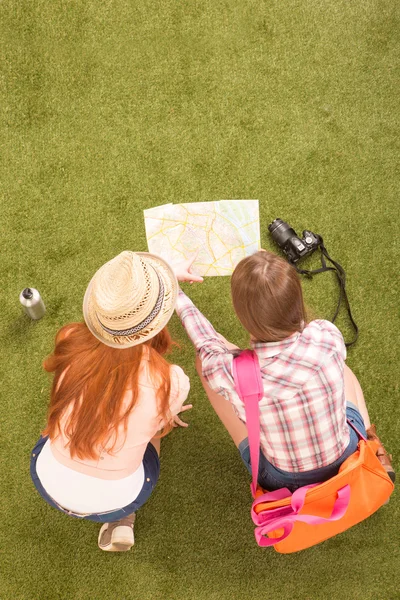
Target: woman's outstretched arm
[(215, 354), (213, 350)]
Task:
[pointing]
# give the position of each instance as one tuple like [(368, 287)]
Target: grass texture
[(112, 107)]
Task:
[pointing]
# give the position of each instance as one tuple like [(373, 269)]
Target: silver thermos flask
[(32, 303)]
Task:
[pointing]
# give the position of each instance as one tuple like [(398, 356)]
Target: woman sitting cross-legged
[(112, 393), (308, 389)]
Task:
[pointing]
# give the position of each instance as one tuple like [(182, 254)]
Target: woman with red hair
[(113, 396)]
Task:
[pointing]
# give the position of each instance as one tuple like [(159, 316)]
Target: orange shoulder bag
[(313, 513)]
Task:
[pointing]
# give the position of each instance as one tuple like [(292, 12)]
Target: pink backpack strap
[(248, 383), (360, 435), (272, 522)]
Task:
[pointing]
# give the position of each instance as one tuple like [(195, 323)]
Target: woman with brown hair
[(309, 392), (113, 396)]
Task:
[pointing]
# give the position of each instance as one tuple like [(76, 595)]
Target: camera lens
[(281, 232), (274, 224)]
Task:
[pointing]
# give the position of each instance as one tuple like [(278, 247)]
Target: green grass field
[(112, 107)]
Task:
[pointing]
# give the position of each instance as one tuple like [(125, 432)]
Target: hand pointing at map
[(183, 270)]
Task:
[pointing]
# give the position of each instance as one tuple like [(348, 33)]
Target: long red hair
[(95, 379)]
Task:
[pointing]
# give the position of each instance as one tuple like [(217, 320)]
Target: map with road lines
[(224, 232)]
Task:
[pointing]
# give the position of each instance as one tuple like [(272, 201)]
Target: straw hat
[(130, 299)]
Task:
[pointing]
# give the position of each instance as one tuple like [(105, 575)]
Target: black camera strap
[(341, 277)]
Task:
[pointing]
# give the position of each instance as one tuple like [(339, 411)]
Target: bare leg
[(224, 409), (156, 441), (228, 344), (117, 536), (354, 393)]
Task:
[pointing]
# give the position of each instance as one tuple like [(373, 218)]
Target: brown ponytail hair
[(267, 297)]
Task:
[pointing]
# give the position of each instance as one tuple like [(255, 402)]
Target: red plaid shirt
[(303, 412)]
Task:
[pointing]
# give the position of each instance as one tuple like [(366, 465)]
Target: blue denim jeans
[(151, 464), (271, 478)]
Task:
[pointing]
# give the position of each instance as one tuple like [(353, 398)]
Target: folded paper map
[(223, 232)]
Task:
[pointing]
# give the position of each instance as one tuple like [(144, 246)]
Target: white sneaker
[(117, 536)]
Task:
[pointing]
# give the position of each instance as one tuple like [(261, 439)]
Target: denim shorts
[(151, 464), (271, 478)]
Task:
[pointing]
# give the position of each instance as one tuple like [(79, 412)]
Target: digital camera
[(287, 239)]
